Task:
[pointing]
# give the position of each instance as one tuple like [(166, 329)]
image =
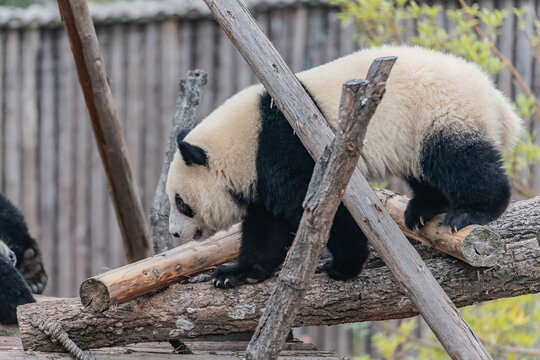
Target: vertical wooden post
[(97, 94), (309, 124)]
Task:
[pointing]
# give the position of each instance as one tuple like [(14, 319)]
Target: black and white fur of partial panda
[(21, 270), (441, 126)]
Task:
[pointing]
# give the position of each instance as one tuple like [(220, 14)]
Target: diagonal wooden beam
[(106, 127), (309, 124)]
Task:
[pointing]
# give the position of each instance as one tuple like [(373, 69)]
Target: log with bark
[(198, 309), (477, 245)]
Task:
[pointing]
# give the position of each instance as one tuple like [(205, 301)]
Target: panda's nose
[(176, 235)]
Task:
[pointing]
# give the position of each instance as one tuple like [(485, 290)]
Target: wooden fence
[(49, 166)]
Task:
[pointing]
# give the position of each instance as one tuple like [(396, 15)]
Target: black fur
[(14, 288), (284, 169), (462, 174), (192, 154), (14, 291)]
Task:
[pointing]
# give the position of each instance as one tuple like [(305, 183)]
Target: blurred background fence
[(49, 166)]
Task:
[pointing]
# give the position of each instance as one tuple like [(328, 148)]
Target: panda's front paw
[(31, 267), (417, 214), (231, 275)]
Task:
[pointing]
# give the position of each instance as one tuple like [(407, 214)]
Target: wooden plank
[(226, 72), (169, 75), (83, 153), (66, 89), (206, 31), (29, 122), (13, 119), (134, 95), (299, 40), (47, 159), (505, 44), (2, 113), (116, 62), (332, 40), (154, 146)]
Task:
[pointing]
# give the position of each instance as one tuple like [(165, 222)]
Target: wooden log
[(474, 244), (97, 93), (187, 102), (309, 124), (482, 245), (198, 309), (359, 100), (100, 292)]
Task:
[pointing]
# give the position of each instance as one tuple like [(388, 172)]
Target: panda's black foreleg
[(426, 202), (265, 241), (468, 171), (348, 246)]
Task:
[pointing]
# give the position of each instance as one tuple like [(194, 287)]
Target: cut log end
[(483, 247), (94, 295)]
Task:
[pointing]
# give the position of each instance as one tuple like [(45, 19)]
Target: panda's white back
[(426, 90)]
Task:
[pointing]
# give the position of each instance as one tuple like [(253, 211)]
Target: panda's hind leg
[(426, 202), (348, 246), (468, 171)]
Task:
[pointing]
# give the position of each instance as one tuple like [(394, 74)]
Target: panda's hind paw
[(31, 267), (338, 273)]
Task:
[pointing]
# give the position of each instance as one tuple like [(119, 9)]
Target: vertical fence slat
[(65, 162), (117, 65), (13, 130), (204, 52), (48, 160), (505, 43), (3, 120), (30, 43)]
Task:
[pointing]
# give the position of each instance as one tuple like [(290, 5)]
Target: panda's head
[(200, 191)]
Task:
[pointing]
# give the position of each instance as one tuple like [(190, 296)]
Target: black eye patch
[(182, 207)]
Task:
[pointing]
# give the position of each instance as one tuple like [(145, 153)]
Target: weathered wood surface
[(115, 286), (125, 60), (359, 100), (109, 140), (437, 309), (11, 349), (198, 309), (476, 245), (187, 102), (482, 244)]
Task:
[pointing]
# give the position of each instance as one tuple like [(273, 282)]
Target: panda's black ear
[(181, 135), (192, 154)]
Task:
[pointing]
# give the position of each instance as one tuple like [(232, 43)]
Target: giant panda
[(21, 269), (441, 126)]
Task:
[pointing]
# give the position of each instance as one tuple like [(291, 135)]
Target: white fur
[(426, 91)]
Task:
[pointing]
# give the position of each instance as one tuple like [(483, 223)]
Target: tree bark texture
[(198, 309), (115, 286), (359, 100), (110, 143), (384, 235), (187, 102)]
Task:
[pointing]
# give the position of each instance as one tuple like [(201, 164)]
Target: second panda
[(441, 126)]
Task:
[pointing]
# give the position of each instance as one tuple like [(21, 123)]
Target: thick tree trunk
[(198, 309)]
